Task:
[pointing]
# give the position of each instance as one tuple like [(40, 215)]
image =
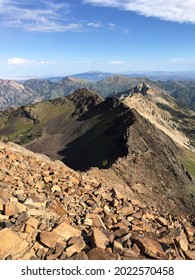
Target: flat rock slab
[(67, 231), (150, 247), (11, 243)]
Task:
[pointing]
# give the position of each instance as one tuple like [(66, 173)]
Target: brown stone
[(60, 246), (150, 247), (14, 208), (33, 222), (11, 243), (136, 228), (117, 248), (41, 254), (49, 238), (29, 229), (170, 237), (79, 241), (99, 239), (182, 241), (3, 217), (130, 253), (73, 249), (148, 216), (56, 188), (48, 179), (22, 217), (88, 222), (97, 221), (162, 221), (136, 249), (4, 195), (66, 231), (12, 157), (1, 204), (118, 194), (126, 210), (190, 230), (138, 215), (100, 254), (78, 257), (190, 255), (136, 202)]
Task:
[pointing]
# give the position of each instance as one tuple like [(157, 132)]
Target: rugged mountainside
[(16, 94), (161, 110), (85, 131), (183, 91), (48, 212)]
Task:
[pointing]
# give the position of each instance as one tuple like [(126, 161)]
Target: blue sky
[(50, 38)]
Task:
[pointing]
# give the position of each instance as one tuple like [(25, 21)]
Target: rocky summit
[(50, 212)]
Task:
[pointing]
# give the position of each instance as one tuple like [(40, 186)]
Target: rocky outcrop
[(48, 212)]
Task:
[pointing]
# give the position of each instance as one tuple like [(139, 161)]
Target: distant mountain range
[(15, 94), (153, 75)]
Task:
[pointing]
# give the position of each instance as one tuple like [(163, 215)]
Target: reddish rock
[(11, 243), (14, 208), (99, 239), (66, 231), (100, 254), (79, 257), (150, 247)]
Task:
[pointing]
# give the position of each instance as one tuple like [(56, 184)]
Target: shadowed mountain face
[(103, 137)]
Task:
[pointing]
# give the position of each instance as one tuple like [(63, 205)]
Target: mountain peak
[(71, 79), (142, 88)]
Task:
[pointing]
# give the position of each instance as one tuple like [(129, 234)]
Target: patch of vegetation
[(188, 161), (174, 113), (26, 138)]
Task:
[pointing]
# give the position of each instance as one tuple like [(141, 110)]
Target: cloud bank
[(170, 10)]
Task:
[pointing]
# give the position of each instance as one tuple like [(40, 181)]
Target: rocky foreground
[(50, 212)]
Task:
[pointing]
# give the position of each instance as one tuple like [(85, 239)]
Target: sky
[(41, 38)]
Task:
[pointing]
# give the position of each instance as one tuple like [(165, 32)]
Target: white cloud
[(43, 62), (18, 61), (94, 24), (117, 62), (112, 26), (170, 10), (23, 61)]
